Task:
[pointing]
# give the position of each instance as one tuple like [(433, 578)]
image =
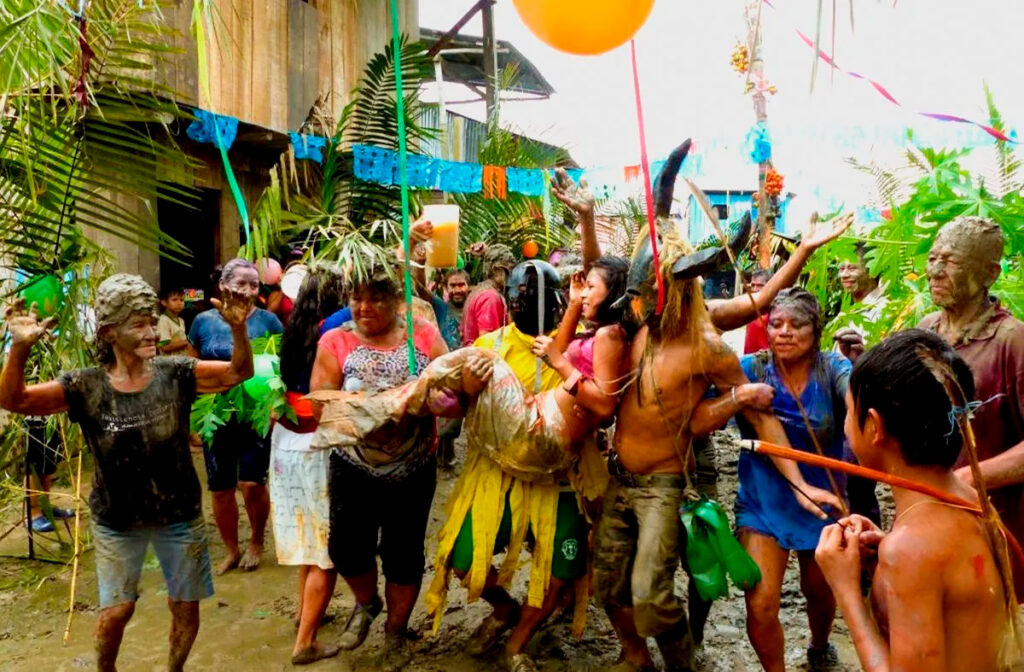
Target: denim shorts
[(181, 549)]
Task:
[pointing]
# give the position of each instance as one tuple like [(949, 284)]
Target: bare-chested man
[(937, 601), (677, 355)]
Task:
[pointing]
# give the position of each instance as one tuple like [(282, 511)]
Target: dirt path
[(247, 625)]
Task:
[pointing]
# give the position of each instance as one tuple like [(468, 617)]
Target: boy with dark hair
[(170, 328), (938, 601)]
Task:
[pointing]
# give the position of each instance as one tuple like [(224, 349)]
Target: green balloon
[(460, 262), (46, 292), (265, 369)]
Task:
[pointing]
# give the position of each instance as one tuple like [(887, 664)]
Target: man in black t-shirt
[(134, 413)]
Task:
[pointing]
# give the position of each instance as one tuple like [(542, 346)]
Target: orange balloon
[(584, 27), (530, 249)]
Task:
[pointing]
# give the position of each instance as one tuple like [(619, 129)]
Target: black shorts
[(41, 455), (365, 508), (237, 453)]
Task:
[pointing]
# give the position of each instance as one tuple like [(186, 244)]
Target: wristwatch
[(572, 383)]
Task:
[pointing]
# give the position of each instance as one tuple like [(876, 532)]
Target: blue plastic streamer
[(207, 126), (525, 181), (374, 164), (461, 178), (308, 146), (424, 171), (758, 143)]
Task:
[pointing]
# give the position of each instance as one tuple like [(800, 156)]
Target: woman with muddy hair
[(134, 413), (381, 486), (299, 501), (770, 521)]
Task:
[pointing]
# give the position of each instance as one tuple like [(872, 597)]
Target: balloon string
[(403, 179), (648, 192)]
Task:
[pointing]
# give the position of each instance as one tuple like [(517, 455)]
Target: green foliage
[(940, 190), (74, 158), (211, 411)]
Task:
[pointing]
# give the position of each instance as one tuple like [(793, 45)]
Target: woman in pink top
[(596, 358), (382, 487)]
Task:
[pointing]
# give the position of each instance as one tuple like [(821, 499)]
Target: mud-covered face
[(853, 275), (955, 276), (791, 333), (136, 335), (244, 281)]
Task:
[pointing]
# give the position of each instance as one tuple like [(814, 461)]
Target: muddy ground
[(247, 625)]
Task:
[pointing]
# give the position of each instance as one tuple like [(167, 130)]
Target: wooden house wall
[(271, 59)]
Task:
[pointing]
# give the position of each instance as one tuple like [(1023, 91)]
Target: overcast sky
[(932, 55)]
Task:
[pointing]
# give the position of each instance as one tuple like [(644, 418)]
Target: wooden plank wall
[(271, 59)]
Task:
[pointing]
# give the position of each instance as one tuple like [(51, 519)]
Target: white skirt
[(299, 499)]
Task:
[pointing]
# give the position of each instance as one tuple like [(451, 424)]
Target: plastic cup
[(443, 248)]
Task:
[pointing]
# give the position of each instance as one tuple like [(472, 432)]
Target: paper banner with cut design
[(495, 182), (308, 146)]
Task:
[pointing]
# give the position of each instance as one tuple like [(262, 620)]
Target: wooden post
[(490, 60), (755, 77)]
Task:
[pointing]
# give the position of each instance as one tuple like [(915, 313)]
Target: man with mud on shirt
[(963, 264), (676, 355)]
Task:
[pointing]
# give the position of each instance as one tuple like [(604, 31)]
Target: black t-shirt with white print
[(140, 441)]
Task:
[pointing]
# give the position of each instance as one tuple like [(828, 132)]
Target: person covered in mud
[(676, 355), (867, 297), (134, 413), (237, 457), (485, 308), (298, 474), (381, 488), (937, 600), (770, 522), (962, 266)]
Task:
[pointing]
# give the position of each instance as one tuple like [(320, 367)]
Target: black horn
[(667, 179)]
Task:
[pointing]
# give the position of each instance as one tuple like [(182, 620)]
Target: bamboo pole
[(77, 547)]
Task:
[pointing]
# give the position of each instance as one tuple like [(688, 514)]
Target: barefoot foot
[(314, 652), (251, 559), (229, 563)]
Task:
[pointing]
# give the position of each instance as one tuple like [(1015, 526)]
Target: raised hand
[(576, 196), (577, 284), (422, 229), (24, 326), (234, 306), (829, 232)]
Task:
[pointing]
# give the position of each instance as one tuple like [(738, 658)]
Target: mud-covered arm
[(725, 372), (41, 399), (214, 376), (579, 198), (728, 314)]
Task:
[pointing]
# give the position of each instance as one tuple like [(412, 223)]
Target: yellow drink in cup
[(443, 247)]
